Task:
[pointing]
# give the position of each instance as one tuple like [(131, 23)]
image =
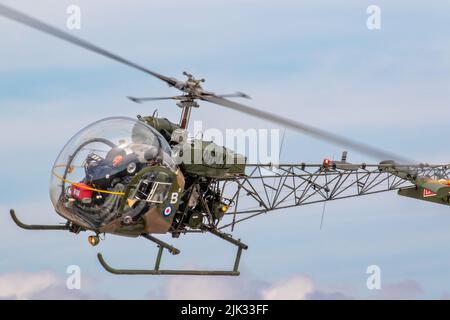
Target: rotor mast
[(192, 85), (185, 114)]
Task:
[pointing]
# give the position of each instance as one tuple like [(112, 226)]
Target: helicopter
[(133, 178)]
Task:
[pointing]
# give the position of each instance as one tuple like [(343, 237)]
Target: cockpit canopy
[(96, 166)]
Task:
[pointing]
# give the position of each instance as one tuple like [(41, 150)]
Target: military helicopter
[(130, 177)]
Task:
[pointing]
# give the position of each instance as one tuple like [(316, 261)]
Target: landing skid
[(22, 225), (163, 245)]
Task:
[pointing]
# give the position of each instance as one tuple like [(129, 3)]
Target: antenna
[(323, 214)]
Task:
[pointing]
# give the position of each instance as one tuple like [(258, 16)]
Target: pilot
[(120, 162)]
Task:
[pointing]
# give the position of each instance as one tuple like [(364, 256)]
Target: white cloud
[(22, 285), (198, 288), (295, 288), (48, 285), (408, 289), (209, 288), (43, 285)]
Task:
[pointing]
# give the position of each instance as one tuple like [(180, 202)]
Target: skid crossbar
[(163, 245)]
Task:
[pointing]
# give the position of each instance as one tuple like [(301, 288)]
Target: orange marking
[(117, 160)]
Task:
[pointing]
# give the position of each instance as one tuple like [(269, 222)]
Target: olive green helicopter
[(146, 176)]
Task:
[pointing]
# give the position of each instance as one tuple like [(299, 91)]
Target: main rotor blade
[(48, 29), (234, 95), (139, 100), (304, 128)]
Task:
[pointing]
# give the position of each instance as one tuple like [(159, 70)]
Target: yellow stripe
[(86, 187), (441, 181)]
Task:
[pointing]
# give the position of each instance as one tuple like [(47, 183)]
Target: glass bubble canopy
[(95, 166)]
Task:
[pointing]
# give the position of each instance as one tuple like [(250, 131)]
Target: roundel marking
[(167, 211)]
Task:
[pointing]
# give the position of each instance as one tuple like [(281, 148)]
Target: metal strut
[(163, 245), (36, 226)]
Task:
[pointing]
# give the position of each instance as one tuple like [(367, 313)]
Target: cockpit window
[(152, 191), (93, 171)]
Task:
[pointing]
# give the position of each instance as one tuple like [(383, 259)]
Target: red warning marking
[(428, 193)]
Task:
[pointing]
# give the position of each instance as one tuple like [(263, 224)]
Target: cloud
[(318, 295), (445, 296), (210, 288), (295, 288), (199, 289), (408, 289), (299, 287), (20, 285), (48, 285), (41, 286)]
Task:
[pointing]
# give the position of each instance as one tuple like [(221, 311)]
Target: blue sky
[(311, 60)]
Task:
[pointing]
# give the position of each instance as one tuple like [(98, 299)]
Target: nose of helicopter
[(94, 169)]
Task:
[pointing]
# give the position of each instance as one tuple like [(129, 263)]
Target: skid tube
[(22, 225), (163, 245)]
